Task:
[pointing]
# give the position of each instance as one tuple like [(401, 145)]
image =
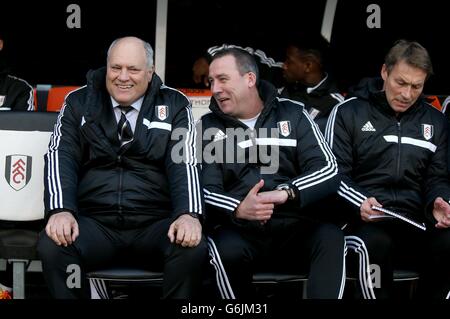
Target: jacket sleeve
[(317, 164), (339, 136), (437, 179), (216, 198), (62, 163), (182, 169), (23, 99)]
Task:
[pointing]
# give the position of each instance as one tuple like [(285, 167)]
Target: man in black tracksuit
[(307, 80), (264, 161), (114, 190), (391, 147), (15, 94)]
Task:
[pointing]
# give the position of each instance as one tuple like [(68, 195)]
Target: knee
[(230, 252), (441, 242), (329, 235), (194, 255), (374, 238), (47, 249)]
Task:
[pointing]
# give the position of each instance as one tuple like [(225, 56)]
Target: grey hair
[(147, 47), (410, 52)]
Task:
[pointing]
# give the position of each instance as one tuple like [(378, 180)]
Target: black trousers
[(99, 246), (302, 246), (398, 245)]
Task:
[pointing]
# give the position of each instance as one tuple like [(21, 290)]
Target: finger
[(189, 239), (180, 235), (257, 187), (60, 234), (75, 231), (440, 225), (365, 216), (438, 202), (445, 222), (171, 233), (265, 206), (263, 215), (373, 202), (53, 235), (198, 237), (48, 230), (67, 231)]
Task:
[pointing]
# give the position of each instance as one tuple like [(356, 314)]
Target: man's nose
[(215, 88), (123, 75), (406, 92)]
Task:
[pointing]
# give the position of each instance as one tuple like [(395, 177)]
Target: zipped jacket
[(400, 160), (285, 147), (88, 173)]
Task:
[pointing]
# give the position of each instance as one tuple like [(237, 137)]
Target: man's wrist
[(194, 215), (287, 188)]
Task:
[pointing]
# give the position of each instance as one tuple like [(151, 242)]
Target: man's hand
[(186, 231), (62, 228), (256, 207), (441, 212), (276, 197), (366, 209)]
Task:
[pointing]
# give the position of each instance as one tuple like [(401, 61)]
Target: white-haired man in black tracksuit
[(114, 192), (264, 160), (391, 147)]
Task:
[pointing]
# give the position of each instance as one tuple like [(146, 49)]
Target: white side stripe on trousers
[(344, 277), (223, 284), (358, 246)]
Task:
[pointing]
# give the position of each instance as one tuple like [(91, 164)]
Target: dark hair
[(312, 44), (245, 61), (410, 52)]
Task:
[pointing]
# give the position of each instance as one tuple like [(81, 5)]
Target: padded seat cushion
[(18, 244), (277, 277), (125, 274)]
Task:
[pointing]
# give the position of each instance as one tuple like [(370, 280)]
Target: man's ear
[(384, 72), (251, 79), (150, 73), (1, 44)]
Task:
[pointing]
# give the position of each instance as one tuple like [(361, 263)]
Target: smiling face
[(403, 85), (229, 87), (128, 74)]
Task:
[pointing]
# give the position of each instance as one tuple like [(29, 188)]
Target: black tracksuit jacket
[(319, 100), (87, 174), (306, 162), (15, 93), (401, 161)]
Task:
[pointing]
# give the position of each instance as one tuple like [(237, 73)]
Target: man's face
[(403, 85), (229, 88), (127, 75), (294, 66)]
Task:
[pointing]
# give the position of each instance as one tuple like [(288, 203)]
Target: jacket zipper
[(119, 192), (399, 134)]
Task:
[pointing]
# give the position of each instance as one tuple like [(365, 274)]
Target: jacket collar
[(268, 94)]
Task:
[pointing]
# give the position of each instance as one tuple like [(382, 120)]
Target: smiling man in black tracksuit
[(114, 191), (391, 147), (264, 161)]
